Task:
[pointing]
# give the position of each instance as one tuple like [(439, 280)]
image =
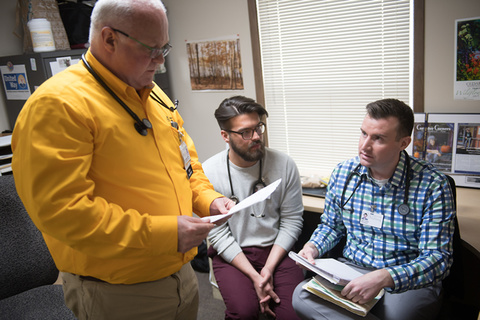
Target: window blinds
[(322, 62)]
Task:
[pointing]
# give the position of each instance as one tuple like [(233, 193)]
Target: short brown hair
[(234, 106), (385, 108)]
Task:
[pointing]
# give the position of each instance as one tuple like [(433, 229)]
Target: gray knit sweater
[(283, 210)]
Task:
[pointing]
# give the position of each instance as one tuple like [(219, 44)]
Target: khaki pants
[(173, 297)]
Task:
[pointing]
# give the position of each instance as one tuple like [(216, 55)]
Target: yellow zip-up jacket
[(106, 198)]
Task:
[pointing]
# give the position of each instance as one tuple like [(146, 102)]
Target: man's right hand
[(309, 252), (191, 232)]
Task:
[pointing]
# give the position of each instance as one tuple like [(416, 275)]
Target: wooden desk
[(313, 204), (468, 213)]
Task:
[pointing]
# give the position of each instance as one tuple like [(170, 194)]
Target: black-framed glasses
[(248, 133), (154, 52)]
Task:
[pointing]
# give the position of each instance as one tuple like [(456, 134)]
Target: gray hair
[(112, 12)]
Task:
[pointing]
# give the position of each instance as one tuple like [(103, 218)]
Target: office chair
[(461, 297), (27, 270)]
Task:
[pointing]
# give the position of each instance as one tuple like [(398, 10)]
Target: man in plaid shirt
[(397, 214)]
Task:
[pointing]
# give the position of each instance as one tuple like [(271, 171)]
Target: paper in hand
[(331, 269), (258, 196)]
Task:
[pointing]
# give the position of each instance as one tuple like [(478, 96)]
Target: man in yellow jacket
[(111, 178)]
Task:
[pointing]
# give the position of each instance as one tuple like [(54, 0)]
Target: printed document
[(258, 196)]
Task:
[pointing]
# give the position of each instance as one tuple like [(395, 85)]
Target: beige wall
[(205, 20), (213, 19), (440, 16)]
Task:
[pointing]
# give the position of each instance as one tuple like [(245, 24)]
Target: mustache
[(254, 143)]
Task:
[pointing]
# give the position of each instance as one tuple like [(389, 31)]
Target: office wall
[(440, 16), (10, 45), (213, 19), (205, 20)]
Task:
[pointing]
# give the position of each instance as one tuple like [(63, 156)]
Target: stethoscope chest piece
[(403, 209), (142, 129), (235, 199)]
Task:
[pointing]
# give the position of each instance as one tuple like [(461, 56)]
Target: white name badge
[(186, 158), (371, 219)]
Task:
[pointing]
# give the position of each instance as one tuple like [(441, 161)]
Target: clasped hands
[(263, 285)]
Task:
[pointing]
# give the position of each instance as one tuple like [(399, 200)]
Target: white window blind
[(323, 62)]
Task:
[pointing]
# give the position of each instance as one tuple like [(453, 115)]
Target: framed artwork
[(467, 59), (215, 64)]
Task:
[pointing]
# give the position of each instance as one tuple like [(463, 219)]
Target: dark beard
[(248, 155)]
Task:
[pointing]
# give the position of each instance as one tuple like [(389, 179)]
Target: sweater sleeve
[(291, 208)]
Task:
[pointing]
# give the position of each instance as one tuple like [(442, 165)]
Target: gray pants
[(422, 303)]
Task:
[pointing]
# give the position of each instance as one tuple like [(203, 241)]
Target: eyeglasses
[(154, 52), (248, 134)]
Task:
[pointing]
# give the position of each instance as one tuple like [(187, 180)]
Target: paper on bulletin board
[(61, 64), (15, 82)]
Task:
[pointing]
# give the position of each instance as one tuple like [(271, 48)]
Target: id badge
[(372, 219), (186, 159)]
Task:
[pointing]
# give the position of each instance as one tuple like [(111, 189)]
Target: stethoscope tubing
[(141, 125), (260, 181), (403, 209)]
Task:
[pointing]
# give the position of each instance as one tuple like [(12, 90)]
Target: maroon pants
[(237, 289)]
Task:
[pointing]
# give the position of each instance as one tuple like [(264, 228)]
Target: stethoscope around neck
[(141, 125), (259, 184), (403, 209)]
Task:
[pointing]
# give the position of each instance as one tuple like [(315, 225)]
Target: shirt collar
[(400, 171), (398, 175), (122, 89)]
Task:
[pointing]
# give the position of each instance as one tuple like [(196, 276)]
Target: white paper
[(331, 269), (258, 196)]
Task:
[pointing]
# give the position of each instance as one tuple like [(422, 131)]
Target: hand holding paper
[(332, 276), (258, 196), (333, 270)]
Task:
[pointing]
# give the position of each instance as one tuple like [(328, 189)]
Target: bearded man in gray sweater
[(249, 251)]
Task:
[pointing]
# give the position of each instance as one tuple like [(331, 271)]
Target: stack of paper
[(332, 276), (331, 269), (323, 289)]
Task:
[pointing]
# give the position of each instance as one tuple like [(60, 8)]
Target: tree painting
[(215, 65)]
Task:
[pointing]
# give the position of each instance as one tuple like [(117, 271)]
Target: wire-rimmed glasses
[(154, 52)]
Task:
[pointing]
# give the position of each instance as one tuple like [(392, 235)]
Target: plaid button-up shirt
[(416, 248)]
